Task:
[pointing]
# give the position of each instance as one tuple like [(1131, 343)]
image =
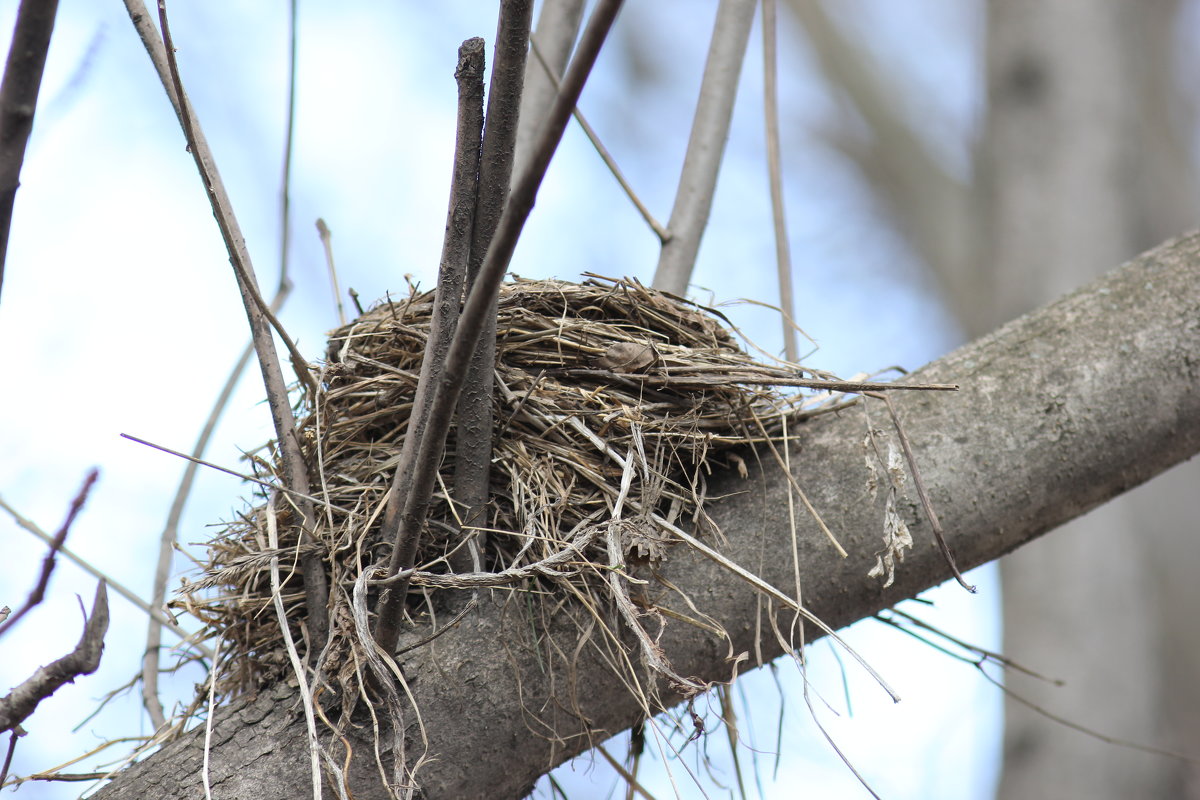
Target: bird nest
[(609, 397)]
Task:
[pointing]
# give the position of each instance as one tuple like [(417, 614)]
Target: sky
[(120, 314)]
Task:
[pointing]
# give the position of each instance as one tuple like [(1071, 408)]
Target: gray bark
[(1060, 411)]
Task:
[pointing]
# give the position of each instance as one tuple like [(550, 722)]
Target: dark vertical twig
[(520, 202), (295, 475), (452, 273), (18, 101), (783, 256), (16, 733), (473, 454), (39, 590), (557, 27)]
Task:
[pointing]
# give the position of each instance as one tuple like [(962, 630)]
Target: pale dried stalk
[(706, 146)]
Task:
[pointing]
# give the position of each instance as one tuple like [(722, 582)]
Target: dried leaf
[(626, 357)]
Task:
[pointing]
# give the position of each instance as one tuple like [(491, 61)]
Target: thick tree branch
[(1059, 411)]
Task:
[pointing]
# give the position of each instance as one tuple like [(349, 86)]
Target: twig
[(557, 27), (150, 661), (16, 733), (170, 533), (327, 243), (259, 315), (473, 455), (487, 284), (18, 704), (452, 273), (783, 256), (710, 130), (18, 101), (285, 179), (605, 156), (250, 478), (39, 590), (163, 619), (934, 522)]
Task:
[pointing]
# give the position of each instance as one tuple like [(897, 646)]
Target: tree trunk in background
[(1079, 167)]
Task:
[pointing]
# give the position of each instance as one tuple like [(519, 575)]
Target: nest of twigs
[(604, 390)]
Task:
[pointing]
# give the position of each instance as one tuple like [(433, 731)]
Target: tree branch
[(473, 452), (447, 303), (18, 101), (710, 130), (1059, 411), (258, 314), (482, 294), (18, 704)]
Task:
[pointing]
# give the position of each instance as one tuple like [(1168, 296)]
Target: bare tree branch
[(783, 254), (557, 26), (710, 130), (18, 101), (39, 589), (483, 292), (452, 278), (930, 205), (552, 74), (1054, 418), (473, 453), (17, 705), (261, 319)]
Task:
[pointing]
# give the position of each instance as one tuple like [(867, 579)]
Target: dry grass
[(589, 376)]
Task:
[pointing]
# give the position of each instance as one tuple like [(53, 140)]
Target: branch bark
[(16, 706), (1060, 411), (18, 101), (706, 146)]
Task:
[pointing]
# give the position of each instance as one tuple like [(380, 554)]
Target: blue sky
[(120, 314)]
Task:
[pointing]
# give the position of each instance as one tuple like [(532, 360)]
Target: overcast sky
[(119, 311)]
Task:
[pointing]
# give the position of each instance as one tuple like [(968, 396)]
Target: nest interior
[(591, 380)]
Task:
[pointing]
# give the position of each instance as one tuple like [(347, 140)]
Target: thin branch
[(170, 533), (923, 494), (16, 733), (487, 284), (285, 180), (783, 255), (931, 205), (120, 589), (452, 273), (706, 146), (39, 590), (605, 156), (327, 244), (17, 705), (557, 28), (295, 473), (249, 478), (473, 454), (18, 101)]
